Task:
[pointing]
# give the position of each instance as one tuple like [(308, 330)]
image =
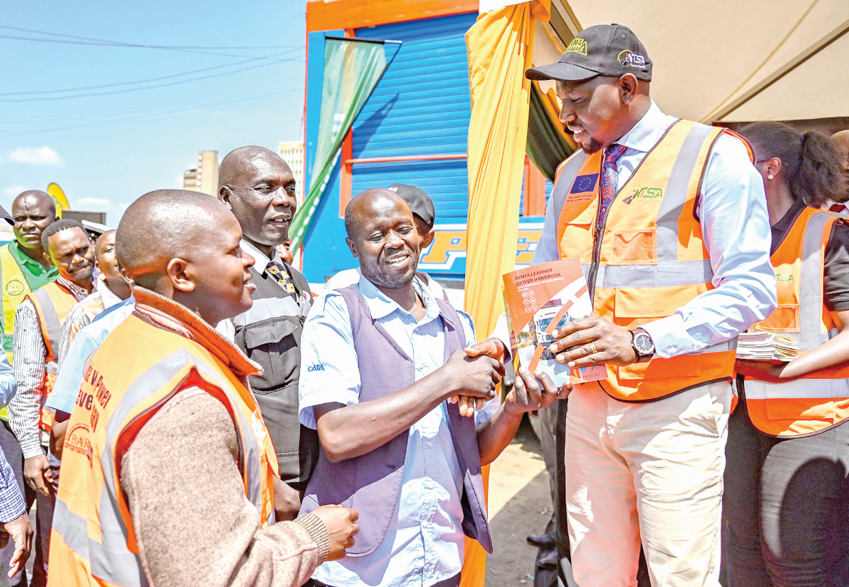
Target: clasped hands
[(581, 343)]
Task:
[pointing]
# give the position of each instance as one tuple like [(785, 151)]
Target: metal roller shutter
[(420, 108)]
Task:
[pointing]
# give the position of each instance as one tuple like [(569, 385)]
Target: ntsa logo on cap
[(630, 59), (578, 45)]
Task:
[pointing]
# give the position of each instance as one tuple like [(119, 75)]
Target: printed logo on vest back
[(315, 367)]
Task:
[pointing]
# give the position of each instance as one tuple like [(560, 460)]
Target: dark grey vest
[(270, 334), (371, 483)]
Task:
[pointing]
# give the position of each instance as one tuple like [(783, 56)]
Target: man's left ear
[(48, 259), (628, 86)]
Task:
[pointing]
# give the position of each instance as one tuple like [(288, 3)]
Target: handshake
[(475, 373)]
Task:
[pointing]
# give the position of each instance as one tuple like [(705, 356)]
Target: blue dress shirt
[(67, 386), (735, 228), (424, 543)]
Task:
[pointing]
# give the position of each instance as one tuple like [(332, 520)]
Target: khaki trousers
[(652, 472)]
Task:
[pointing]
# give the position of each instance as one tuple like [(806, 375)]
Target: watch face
[(643, 343)]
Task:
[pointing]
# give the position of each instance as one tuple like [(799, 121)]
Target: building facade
[(203, 178), (292, 153)]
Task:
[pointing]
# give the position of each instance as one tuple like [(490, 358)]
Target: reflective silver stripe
[(116, 563), (250, 444), (675, 196), (666, 275), (825, 389), (266, 308), (810, 286), (49, 315), (155, 378), (120, 567), (567, 178)]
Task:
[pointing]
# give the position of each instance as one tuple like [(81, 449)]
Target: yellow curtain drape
[(499, 47)]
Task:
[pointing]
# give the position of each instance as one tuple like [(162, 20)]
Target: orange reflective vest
[(52, 304), (649, 258), (135, 372), (820, 399)]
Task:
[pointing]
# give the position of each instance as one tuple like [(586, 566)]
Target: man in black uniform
[(258, 186)]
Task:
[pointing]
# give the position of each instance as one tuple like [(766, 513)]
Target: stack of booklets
[(766, 346)]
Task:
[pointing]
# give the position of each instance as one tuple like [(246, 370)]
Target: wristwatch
[(642, 344)]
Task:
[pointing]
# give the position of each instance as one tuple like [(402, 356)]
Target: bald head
[(259, 188), (33, 211), (841, 140), (162, 225), (243, 160), (38, 198), (382, 236), (365, 204)]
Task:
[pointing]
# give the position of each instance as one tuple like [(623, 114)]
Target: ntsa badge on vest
[(643, 193)]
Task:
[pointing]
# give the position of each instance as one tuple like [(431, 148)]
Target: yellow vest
[(93, 541), (649, 258), (819, 400), (15, 291)]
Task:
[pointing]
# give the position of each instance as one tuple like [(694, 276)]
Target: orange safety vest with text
[(820, 399), (134, 373), (649, 258), (52, 304)]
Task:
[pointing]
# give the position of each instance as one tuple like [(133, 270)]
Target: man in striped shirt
[(68, 248)]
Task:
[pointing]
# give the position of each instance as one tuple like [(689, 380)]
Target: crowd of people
[(184, 410)]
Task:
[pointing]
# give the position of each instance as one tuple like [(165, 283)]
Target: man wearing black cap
[(669, 220)]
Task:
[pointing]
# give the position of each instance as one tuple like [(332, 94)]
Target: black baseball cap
[(605, 49), (6, 216), (418, 201)]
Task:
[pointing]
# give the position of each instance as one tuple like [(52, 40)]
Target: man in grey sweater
[(191, 453)]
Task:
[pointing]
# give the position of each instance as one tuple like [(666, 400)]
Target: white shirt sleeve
[(736, 230), (330, 371), (547, 248)]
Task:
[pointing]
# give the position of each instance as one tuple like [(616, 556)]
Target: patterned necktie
[(609, 175), (281, 275)]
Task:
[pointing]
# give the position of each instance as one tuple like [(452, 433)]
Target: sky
[(110, 122)]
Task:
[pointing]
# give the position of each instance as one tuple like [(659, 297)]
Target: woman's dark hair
[(811, 163)]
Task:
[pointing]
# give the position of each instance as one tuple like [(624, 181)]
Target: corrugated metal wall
[(420, 107)]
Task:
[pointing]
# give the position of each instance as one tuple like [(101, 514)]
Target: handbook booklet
[(540, 299)]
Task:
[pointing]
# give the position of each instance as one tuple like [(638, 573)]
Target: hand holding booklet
[(539, 300)]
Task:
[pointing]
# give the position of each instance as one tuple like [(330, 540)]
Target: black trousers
[(44, 515), (786, 507)]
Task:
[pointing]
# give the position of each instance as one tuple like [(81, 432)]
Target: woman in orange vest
[(787, 476)]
